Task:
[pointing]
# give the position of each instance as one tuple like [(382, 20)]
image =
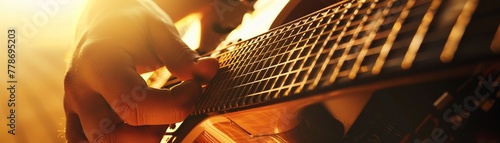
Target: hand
[(106, 100)]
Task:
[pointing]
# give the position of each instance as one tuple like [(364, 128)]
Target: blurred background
[(44, 34)]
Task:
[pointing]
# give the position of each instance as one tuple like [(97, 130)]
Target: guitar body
[(349, 109)]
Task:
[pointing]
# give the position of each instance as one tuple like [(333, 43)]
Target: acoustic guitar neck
[(350, 43)]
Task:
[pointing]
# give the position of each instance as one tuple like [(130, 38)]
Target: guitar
[(308, 80)]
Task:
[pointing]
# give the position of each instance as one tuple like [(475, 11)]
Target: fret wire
[(308, 72), (266, 69), (288, 38), (274, 89), (223, 88), (241, 62), (240, 91), (270, 90), (290, 24), (287, 91), (248, 51), (302, 32), (236, 66), (242, 86), (211, 98), (288, 55), (346, 50), (275, 67), (313, 21), (298, 20), (419, 35), (228, 56), (458, 30), (321, 19), (276, 77), (350, 44), (224, 57), (361, 28), (237, 54), (257, 45), (288, 46), (371, 52), (231, 65), (384, 52), (256, 51), (274, 84), (270, 80), (351, 32), (310, 28), (231, 60), (334, 47), (369, 40), (249, 76), (260, 44), (336, 36), (283, 74), (251, 84), (243, 76), (224, 83), (204, 101), (331, 14), (243, 65)]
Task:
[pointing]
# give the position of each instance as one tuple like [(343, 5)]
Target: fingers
[(187, 93), (160, 107), (170, 49), (74, 130), (205, 69), (136, 134), (179, 59), (102, 124), (159, 78), (125, 133), (112, 75)]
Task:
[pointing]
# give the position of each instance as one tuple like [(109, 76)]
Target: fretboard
[(348, 41)]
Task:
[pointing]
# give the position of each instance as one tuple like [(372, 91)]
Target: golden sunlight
[(44, 34)]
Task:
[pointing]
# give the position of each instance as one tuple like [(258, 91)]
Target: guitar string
[(296, 36), (246, 52), (371, 36), (295, 42), (308, 31), (419, 35), (281, 84), (344, 30), (384, 52), (267, 69), (316, 41), (272, 30), (347, 49)]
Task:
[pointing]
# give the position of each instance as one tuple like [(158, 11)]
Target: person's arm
[(111, 73), (109, 69)]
